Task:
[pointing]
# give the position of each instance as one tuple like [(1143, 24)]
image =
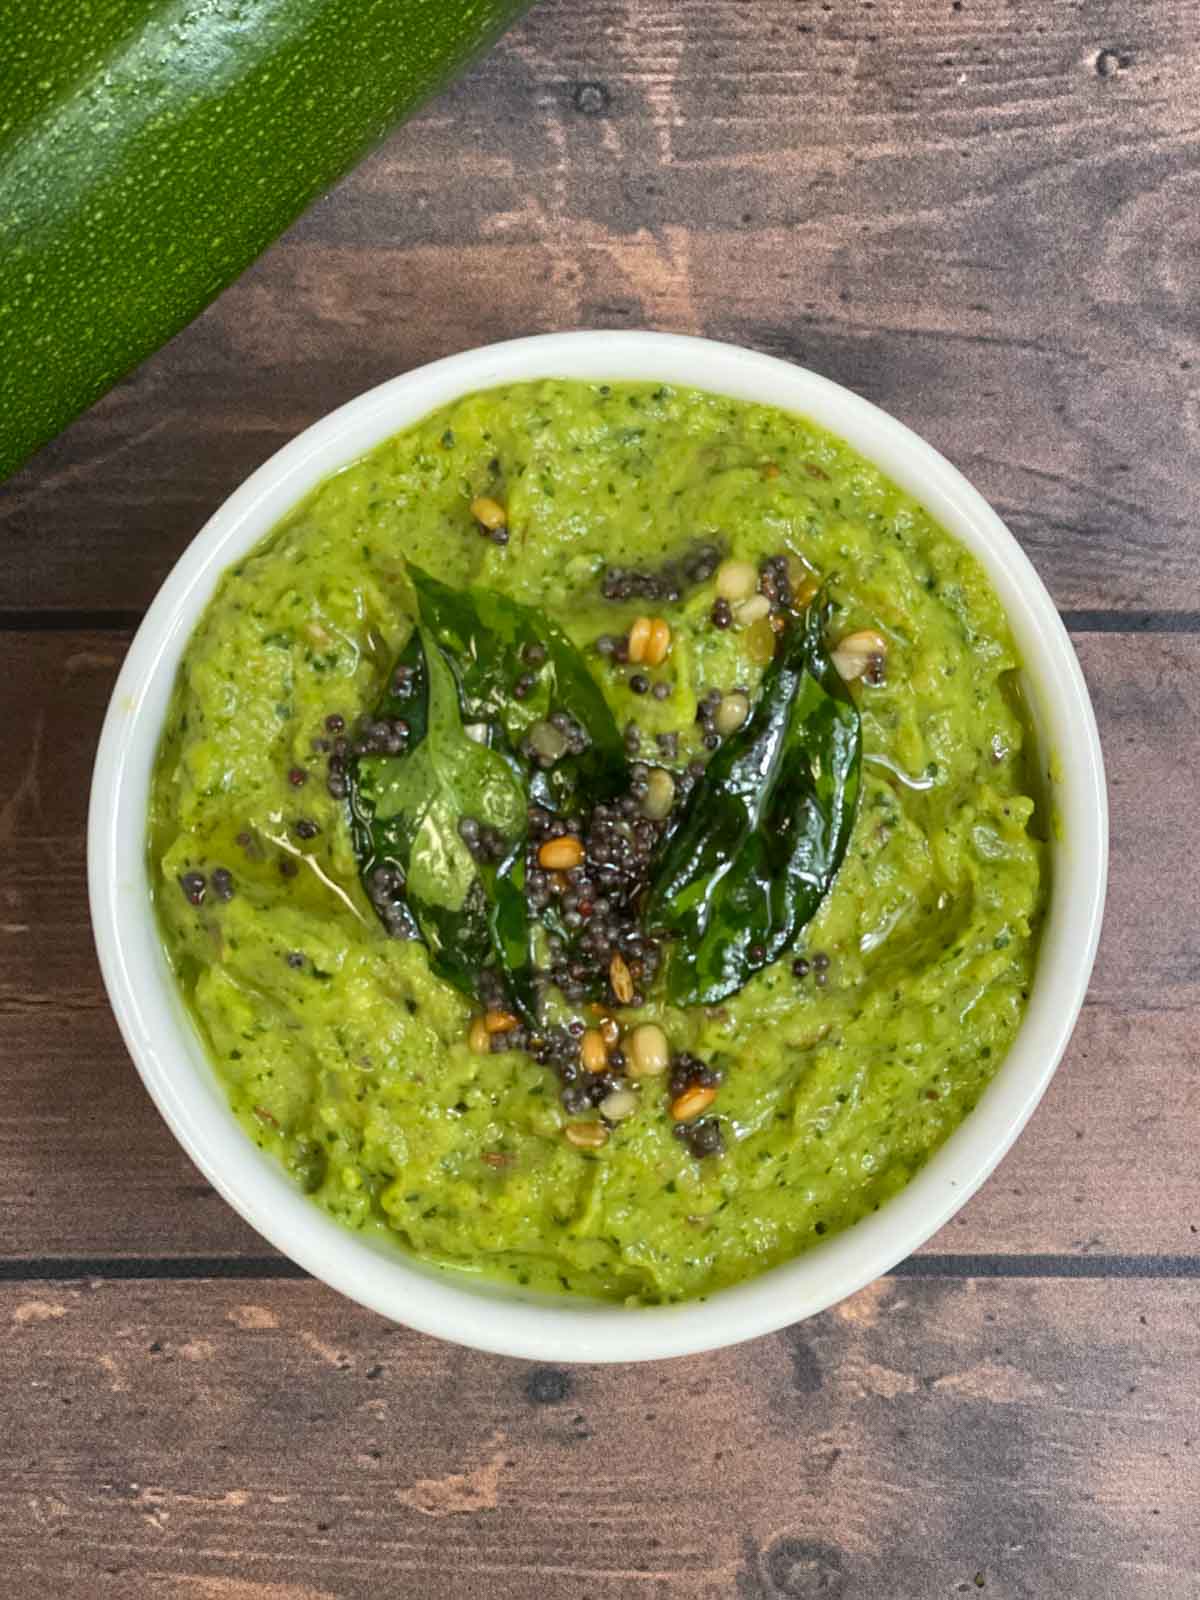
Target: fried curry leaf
[(478, 675), (493, 644), (407, 809), (766, 829)]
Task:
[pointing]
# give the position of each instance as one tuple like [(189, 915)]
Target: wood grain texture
[(1108, 1164), (983, 217), (214, 1441)]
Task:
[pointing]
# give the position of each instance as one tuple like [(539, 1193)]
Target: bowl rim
[(167, 1051)]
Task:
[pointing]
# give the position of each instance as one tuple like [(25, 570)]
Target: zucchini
[(151, 149)]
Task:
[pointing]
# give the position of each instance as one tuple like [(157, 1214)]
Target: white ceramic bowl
[(168, 1053)]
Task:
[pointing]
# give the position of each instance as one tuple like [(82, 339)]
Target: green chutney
[(348, 1060)]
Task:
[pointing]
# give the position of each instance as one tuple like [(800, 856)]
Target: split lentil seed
[(489, 513), (560, 855), (593, 1051), (862, 654), (689, 1105), (660, 794), (618, 1105), (621, 978), (736, 580), (648, 1051), (659, 643), (500, 1022), (639, 638), (586, 1135), (731, 713)]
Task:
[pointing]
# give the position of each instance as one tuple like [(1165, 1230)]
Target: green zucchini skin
[(151, 149)]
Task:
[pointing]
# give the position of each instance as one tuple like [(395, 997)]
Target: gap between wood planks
[(62, 1269), (77, 621)]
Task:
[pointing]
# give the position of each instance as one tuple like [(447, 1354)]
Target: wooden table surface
[(983, 214)]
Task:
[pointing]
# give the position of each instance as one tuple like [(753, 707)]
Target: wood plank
[(65, 1153), (1108, 1164), (975, 218), (272, 1442)]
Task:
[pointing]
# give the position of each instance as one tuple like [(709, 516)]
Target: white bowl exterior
[(169, 1055)]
